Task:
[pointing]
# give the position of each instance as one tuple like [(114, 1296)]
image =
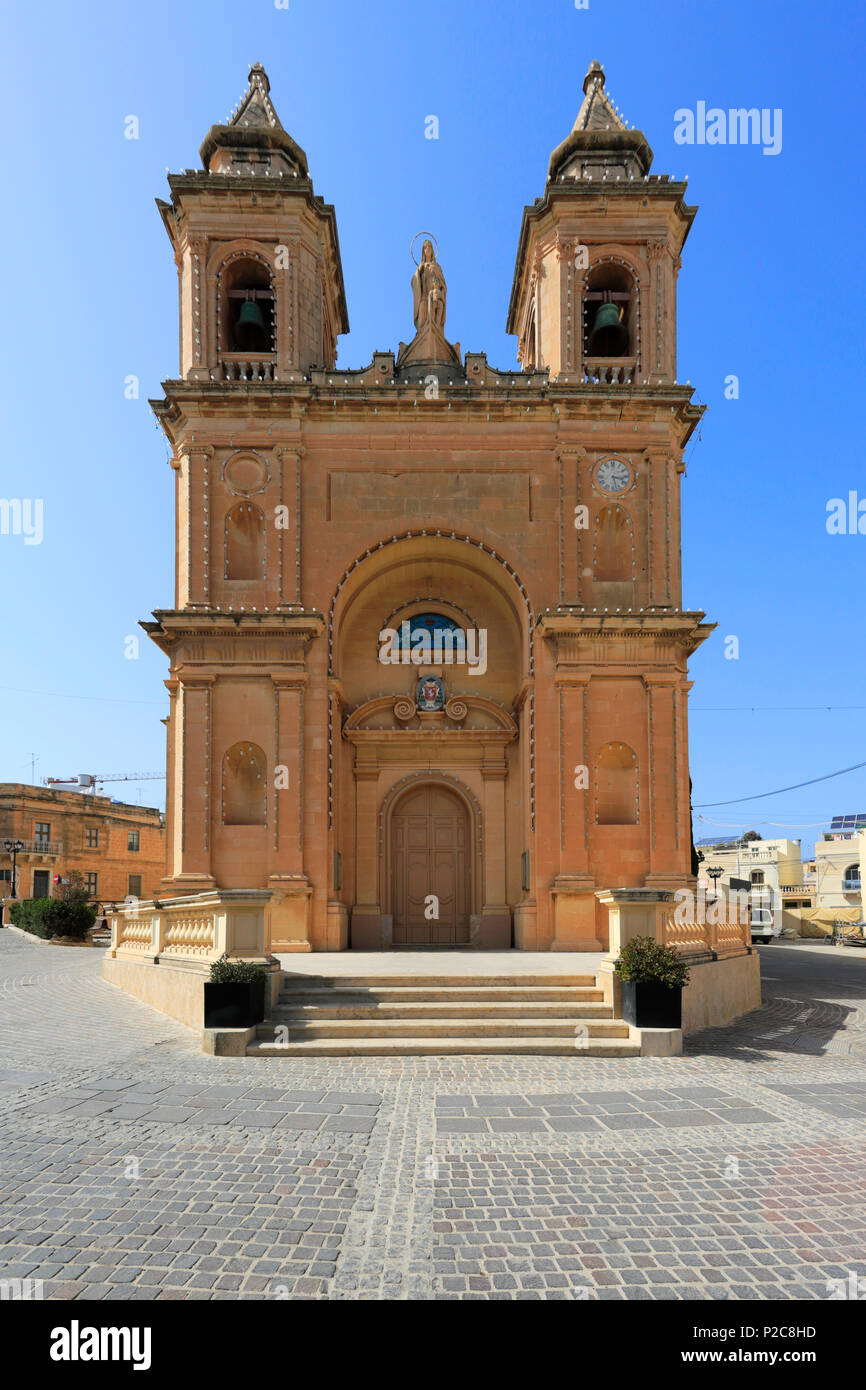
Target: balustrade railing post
[(158, 925)]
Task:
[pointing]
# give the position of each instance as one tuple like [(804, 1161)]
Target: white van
[(762, 925)]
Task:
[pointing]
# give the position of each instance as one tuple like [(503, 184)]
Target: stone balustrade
[(609, 371), (706, 939), (244, 366), (199, 928)]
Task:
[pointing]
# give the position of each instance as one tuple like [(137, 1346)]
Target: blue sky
[(771, 291)]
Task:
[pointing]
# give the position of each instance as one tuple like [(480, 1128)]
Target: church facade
[(428, 658)]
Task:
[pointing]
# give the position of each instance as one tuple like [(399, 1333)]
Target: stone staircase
[(441, 1015)]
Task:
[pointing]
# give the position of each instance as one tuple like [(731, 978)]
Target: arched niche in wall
[(613, 546), (245, 542), (244, 785), (616, 785)]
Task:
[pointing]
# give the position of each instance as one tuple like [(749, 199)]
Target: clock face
[(613, 475)]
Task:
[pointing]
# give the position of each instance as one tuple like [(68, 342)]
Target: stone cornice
[(583, 191), (401, 737), (173, 627), (500, 399), (569, 633)]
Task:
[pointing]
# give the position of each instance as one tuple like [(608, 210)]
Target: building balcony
[(248, 366), (51, 849), (610, 371), (850, 885)]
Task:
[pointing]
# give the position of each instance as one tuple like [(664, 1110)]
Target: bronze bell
[(609, 336), (251, 334)]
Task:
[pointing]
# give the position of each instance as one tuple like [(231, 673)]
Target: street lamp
[(13, 847), (715, 875)]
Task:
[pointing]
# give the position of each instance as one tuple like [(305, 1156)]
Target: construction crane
[(88, 782)]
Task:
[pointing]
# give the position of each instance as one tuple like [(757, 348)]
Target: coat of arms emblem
[(430, 693)]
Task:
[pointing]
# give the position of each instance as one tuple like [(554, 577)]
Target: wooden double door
[(430, 869)]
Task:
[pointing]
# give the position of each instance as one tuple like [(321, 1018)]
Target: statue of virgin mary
[(429, 290)]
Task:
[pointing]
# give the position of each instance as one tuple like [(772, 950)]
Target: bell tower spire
[(258, 257), (594, 293)]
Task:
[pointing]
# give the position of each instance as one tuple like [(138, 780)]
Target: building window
[(757, 877), (434, 639), (851, 879), (93, 885), (133, 840), (134, 889), (5, 875), (41, 883), (244, 789), (92, 837), (42, 832)]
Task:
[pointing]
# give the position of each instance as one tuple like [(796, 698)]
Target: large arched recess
[(454, 573)]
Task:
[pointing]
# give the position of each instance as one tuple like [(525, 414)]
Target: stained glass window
[(428, 623)]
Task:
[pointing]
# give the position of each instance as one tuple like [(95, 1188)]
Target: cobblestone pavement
[(134, 1167)]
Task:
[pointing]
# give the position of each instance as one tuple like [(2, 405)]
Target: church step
[(480, 981), (293, 1010), (446, 1027), (540, 1046), (423, 994)]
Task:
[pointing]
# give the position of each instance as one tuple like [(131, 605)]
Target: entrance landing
[(454, 964)]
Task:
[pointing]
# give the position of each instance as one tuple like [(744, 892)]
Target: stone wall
[(721, 990)]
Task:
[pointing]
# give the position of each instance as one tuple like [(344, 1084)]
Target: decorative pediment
[(470, 715)]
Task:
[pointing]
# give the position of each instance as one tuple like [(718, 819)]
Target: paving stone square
[(133, 1166)]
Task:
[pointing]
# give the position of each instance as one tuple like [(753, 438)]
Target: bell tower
[(594, 293), (261, 306), (258, 260), (593, 304)]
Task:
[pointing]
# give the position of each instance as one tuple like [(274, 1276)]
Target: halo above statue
[(415, 238)]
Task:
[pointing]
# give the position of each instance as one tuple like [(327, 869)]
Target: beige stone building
[(385, 790), (118, 849), (838, 886), (768, 874)]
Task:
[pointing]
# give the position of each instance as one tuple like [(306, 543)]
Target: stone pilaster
[(192, 473), (289, 536), (367, 924)]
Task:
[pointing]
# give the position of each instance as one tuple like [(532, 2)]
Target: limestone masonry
[(428, 654)]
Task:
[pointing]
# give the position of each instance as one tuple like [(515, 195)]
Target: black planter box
[(234, 1006), (651, 1005)]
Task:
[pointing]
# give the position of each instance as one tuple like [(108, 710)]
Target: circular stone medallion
[(245, 474)]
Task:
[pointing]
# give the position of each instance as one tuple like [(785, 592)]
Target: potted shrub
[(234, 997), (652, 983)]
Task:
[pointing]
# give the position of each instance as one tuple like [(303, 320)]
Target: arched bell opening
[(248, 309), (610, 312)]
